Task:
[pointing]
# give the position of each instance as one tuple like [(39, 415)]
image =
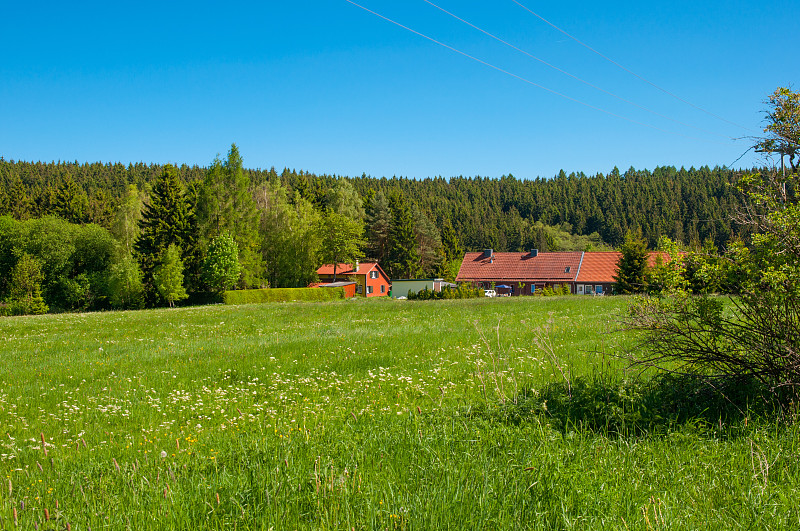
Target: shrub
[(461, 292)]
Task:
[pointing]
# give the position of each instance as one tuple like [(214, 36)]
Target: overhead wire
[(631, 72), (525, 80), (592, 85)]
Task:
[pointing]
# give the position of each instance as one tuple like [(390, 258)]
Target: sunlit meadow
[(358, 415)]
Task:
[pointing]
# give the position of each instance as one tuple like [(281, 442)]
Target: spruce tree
[(632, 265), (429, 245), (403, 256), (26, 286), (226, 203), (71, 202), (379, 220), (167, 219)]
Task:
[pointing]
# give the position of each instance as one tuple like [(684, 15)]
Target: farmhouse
[(523, 273), (370, 279), (585, 273)]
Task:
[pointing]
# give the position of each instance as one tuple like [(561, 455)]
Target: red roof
[(347, 269), (598, 266), (555, 267), (589, 267), (601, 266)]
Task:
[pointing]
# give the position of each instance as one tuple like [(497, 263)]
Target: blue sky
[(327, 87)]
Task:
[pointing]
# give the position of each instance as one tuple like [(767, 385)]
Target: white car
[(490, 293)]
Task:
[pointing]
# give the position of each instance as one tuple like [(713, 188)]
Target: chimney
[(356, 268), (487, 253), (534, 253)]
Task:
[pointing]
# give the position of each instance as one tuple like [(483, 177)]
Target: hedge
[(252, 296)]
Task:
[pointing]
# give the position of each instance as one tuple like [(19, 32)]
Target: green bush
[(461, 292), (252, 296)]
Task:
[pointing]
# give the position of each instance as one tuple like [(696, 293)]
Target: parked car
[(490, 293)]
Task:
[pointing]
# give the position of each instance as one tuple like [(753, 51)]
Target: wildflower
[(163, 454)]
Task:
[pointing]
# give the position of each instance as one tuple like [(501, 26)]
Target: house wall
[(358, 288), (400, 288), (583, 288), (528, 288), (380, 286)]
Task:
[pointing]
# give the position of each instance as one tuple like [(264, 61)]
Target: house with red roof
[(522, 273), (598, 269), (586, 273), (596, 273), (370, 279)]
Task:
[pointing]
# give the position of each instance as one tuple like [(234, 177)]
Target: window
[(383, 288), (598, 289), (566, 269), (369, 290), (358, 288), (373, 274)]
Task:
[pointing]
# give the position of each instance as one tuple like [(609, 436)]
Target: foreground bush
[(253, 296)]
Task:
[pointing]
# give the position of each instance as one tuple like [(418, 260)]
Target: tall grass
[(366, 414)]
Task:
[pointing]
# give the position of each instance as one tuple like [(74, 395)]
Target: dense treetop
[(687, 205)]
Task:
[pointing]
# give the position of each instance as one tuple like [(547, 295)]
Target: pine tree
[(167, 219), (379, 220), (429, 245), (632, 265), (451, 243), (403, 256), (26, 286), (71, 202), (20, 205)]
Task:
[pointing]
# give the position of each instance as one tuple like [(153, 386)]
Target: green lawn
[(365, 414)]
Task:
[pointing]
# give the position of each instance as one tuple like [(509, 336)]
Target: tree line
[(147, 234), (687, 205)]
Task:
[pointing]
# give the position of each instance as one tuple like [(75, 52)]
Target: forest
[(92, 236)]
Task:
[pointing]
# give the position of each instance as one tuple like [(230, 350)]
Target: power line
[(481, 61), (554, 67), (665, 91)]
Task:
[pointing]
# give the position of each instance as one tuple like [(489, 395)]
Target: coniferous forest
[(91, 236)]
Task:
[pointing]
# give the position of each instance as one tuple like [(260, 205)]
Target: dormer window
[(566, 269)]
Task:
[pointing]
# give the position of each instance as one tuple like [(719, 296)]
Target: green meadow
[(459, 414)]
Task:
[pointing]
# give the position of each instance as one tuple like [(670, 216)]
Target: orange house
[(370, 279)]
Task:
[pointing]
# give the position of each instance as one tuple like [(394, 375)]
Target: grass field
[(466, 414)]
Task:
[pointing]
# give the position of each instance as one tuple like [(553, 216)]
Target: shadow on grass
[(636, 407)]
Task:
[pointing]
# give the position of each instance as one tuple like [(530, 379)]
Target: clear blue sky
[(327, 87)]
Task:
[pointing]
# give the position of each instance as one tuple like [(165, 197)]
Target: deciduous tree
[(341, 240), (168, 276), (221, 266)]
